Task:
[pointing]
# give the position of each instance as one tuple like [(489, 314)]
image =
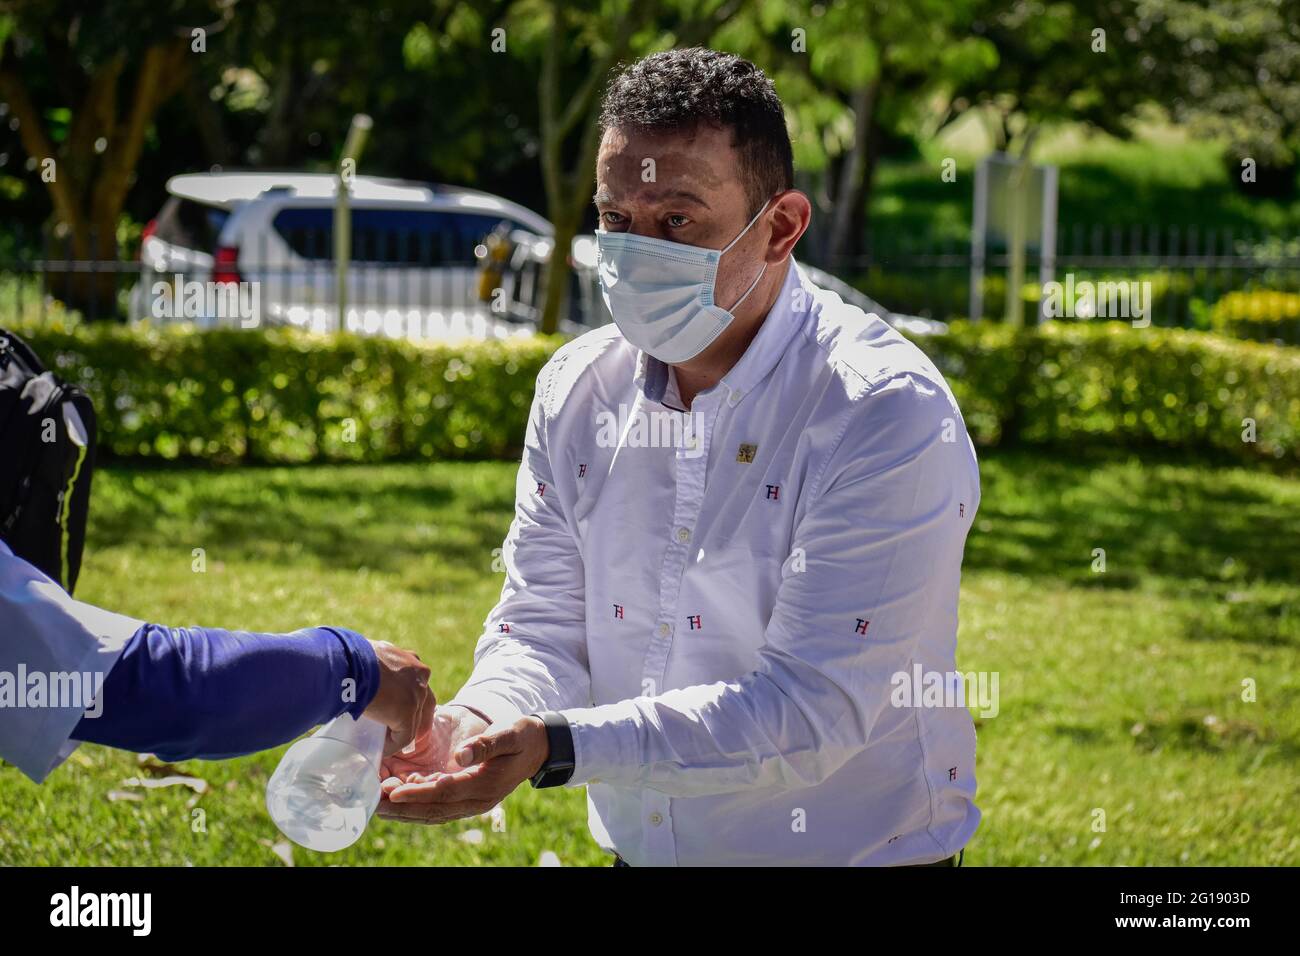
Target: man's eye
[(677, 221), (611, 218)]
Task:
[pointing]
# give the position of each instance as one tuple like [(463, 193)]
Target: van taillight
[(225, 267), (149, 229)]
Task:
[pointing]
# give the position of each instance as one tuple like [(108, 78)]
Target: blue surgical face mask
[(660, 293)]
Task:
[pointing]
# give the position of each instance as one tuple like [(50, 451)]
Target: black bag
[(47, 457)]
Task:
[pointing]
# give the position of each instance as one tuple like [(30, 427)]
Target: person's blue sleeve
[(188, 692)]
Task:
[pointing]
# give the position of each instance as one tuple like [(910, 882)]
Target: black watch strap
[(558, 766)]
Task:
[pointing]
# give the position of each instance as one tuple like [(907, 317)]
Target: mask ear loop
[(741, 235), (761, 272)]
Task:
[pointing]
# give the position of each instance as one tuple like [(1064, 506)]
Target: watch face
[(553, 775)]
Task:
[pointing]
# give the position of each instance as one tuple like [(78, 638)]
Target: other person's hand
[(479, 770), (432, 751), (404, 702)]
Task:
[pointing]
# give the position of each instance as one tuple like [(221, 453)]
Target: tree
[(851, 75), (1228, 68), (572, 50), (1088, 61), (1236, 76), (84, 89), (568, 183)]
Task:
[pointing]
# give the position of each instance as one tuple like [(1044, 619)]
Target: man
[(707, 635), (71, 672)]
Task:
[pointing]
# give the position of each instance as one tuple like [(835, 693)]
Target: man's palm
[(432, 751)]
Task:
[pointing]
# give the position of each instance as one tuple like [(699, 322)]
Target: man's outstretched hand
[(463, 769), (404, 702), (431, 752)]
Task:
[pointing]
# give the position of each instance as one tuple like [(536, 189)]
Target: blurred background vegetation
[(1149, 107)]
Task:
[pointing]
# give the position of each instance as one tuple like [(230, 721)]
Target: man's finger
[(429, 812), (485, 746), (443, 788), (408, 731)]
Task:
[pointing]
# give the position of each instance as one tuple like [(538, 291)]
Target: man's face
[(683, 187)]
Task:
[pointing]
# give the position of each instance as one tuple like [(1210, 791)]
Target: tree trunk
[(208, 119), (567, 191), (556, 282), (279, 135), (88, 188), (849, 194)]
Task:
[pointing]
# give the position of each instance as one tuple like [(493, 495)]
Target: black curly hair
[(677, 90)]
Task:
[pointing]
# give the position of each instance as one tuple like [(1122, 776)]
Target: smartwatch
[(558, 766)]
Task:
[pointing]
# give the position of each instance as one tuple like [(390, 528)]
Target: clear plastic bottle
[(326, 787)]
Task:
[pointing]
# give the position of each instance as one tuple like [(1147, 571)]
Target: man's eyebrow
[(686, 194), (603, 196)]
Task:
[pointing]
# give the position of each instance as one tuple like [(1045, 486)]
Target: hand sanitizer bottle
[(326, 787)]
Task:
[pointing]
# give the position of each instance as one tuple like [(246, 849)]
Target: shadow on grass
[(1244, 618), (384, 518), (1158, 521), (1168, 524), (1206, 733)]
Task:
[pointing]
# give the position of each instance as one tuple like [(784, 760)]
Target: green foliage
[(944, 292), (1262, 314), (1237, 77), (1162, 178), (1107, 384), (286, 396)]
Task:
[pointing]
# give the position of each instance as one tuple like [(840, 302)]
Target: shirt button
[(663, 630), (656, 819), (683, 535)]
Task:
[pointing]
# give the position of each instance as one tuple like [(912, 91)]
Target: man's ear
[(791, 212)]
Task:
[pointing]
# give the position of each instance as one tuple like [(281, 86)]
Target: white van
[(263, 244), (413, 273)]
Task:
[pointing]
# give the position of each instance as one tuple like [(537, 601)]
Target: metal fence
[(1188, 271), (401, 285)]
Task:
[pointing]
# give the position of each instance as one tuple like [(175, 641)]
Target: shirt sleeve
[(533, 653), (881, 545), (71, 672), (54, 654), (189, 692)]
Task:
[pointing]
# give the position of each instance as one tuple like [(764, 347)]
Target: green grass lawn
[(1121, 691)]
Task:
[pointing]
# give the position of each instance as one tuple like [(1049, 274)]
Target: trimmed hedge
[(281, 395), (944, 293), (1108, 384), (1265, 315), (288, 396)]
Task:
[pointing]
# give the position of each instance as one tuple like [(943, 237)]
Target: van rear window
[(190, 224), (390, 236)]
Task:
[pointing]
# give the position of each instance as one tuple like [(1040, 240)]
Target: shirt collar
[(782, 321)]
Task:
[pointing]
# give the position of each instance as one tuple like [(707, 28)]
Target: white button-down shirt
[(721, 601), (49, 641)]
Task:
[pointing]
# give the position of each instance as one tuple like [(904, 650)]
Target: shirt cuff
[(606, 743), (51, 744), (497, 708), (363, 667)]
